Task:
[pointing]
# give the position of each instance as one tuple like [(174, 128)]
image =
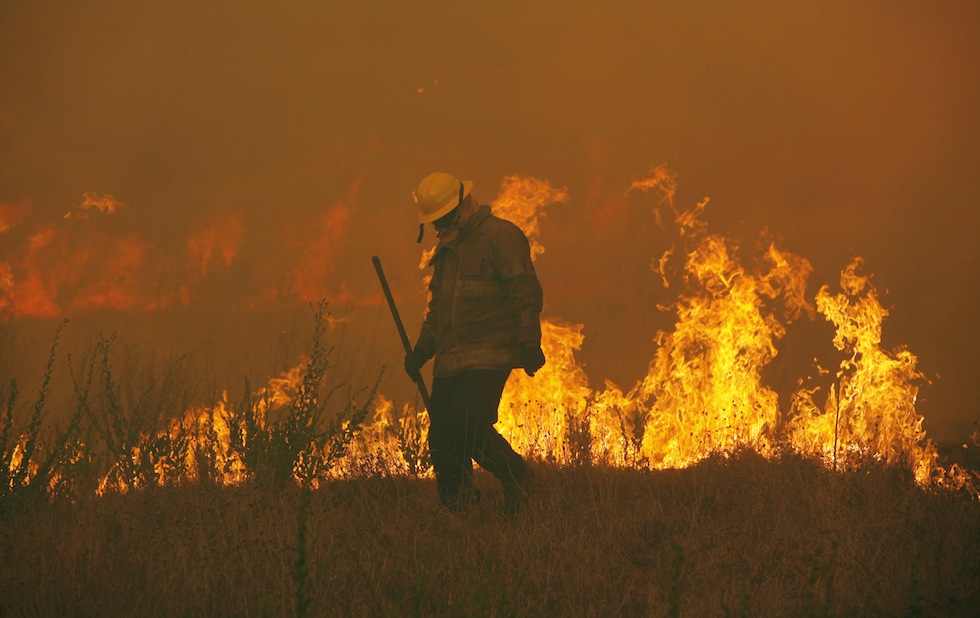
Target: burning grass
[(703, 394), (737, 535), (691, 493), (294, 501)]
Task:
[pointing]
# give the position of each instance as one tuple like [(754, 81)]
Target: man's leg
[(447, 429), (482, 391)]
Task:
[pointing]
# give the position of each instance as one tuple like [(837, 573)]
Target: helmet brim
[(448, 208)]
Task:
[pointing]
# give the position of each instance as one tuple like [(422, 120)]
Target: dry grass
[(739, 536), (736, 535)]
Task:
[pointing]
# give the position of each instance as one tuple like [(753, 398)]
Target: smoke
[(263, 153)]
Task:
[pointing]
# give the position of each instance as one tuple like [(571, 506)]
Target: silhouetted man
[(483, 320)]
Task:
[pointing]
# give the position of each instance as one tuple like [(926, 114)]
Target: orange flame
[(318, 261), (522, 200), (12, 214), (81, 263), (871, 410), (703, 392), (214, 244), (92, 201)]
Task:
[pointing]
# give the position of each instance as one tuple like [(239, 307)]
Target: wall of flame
[(188, 174)]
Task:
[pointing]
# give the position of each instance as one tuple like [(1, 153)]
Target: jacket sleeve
[(516, 270), (426, 343)]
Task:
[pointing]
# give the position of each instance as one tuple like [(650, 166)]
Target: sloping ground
[(728, 536)]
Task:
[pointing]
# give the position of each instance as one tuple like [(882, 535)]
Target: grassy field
[(113, 507), (730, 536)]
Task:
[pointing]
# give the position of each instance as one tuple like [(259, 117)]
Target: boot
[(461, 500), (516, 491)]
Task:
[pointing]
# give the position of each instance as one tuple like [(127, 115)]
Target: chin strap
[(421, 233)]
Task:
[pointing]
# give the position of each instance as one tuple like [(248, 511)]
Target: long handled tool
[(419, 380)]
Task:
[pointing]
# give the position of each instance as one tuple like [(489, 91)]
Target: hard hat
[(438, 194)]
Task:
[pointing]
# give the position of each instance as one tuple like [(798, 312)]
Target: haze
[(262, 152)]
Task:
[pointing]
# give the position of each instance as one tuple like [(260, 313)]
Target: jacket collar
[(469, 221)]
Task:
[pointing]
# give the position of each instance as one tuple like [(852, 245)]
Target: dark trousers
[(462, 411)]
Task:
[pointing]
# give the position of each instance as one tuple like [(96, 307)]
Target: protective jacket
[(486, 299)]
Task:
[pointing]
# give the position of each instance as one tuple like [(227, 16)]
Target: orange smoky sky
[(195, 173)]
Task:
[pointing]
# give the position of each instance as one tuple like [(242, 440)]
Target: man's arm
[(516, 270), (425, 346)]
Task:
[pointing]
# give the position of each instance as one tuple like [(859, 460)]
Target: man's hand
[(414, 362), (532, 358)]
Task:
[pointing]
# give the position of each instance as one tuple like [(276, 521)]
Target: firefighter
[(483, 320)]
